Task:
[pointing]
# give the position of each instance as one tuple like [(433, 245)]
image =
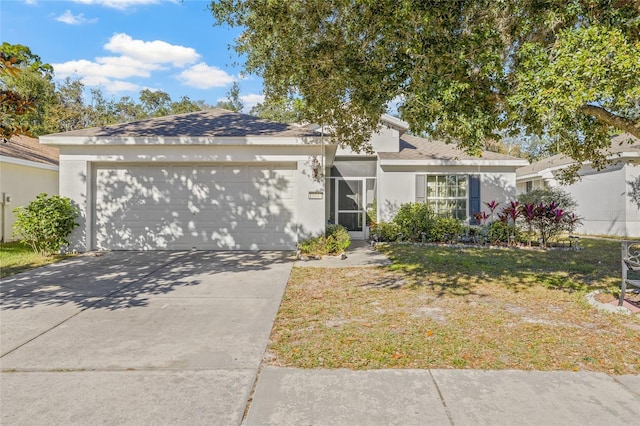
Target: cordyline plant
[(509, 215), (492, 205), (549, 220), (528, 214)]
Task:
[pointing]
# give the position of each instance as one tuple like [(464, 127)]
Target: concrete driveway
[(137, 337)]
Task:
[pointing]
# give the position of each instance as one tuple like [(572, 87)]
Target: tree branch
[(617, 121)]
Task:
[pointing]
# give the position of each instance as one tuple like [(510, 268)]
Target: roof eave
[(540, 173), (392, 121), (28, 163), (182, 140), (440, 162)]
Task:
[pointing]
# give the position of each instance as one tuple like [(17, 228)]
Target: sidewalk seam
[(444, 404), (247, 406)]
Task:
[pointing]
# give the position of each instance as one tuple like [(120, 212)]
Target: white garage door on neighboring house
[(207, 207)]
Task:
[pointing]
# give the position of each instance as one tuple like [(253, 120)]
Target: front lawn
[(17, 257), (442, 307)]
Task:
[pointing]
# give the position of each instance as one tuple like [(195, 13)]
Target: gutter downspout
[(2, 216)]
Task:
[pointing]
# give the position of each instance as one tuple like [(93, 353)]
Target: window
[(447, 195), (529, 187)]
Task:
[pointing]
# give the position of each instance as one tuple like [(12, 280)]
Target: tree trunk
[(617, 121)]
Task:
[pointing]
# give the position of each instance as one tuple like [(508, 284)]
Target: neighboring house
[(608, 200), (27, 169), (220, 180)]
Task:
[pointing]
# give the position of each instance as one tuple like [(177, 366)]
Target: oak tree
[(469, 71)]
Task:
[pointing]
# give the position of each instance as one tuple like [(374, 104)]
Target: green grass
[(16, 257), (444, 307), (595, 266)]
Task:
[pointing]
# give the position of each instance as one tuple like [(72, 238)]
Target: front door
[(350, 206)]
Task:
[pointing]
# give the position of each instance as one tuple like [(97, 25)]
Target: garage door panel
[(235, 207)]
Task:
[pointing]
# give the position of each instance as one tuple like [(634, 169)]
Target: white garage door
[(209, 207)]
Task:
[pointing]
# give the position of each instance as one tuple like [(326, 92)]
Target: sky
[(124, 46)]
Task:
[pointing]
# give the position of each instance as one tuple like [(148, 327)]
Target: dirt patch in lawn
[(370, 318)]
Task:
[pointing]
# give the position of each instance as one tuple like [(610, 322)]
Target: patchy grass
[(17, 257), (442, 307)]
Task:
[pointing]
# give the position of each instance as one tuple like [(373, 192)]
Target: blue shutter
[(474, 197)]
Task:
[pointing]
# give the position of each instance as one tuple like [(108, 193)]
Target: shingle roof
[(210, 123), (415, 148), (30, 149), (619, 144)]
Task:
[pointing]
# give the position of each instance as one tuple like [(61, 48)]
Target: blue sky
[(123, 46)]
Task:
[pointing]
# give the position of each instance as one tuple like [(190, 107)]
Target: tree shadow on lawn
[(461, 270), (117, 280)]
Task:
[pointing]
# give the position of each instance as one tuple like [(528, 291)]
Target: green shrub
[(315, 246), (372, 213), (46, 223), (384, 231), (472, 234), (414, 219), (499, 231), (445, 229), (337, 239), (555, 195), (334, 241)]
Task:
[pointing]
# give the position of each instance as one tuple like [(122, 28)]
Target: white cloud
[(156, 51), (108, 67), (69, 18), (122, 86), (203, 76), (31, 2), (122, 4), (109, 85), (138, 59), (251, 100)]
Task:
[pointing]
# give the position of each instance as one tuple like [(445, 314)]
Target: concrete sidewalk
[(287, 396)]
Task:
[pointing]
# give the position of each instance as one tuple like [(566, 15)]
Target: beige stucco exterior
[(22, 181)]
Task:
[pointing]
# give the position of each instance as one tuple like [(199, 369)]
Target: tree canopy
[(27, 90), (232, 102), (469, 71)]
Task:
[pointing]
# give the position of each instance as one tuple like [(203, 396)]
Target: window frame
[(436, 200)]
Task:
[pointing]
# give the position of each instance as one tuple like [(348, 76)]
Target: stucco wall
[(632, 180), (23, 183), (75, 183), (76, 180), (385, 140), (602, 201), (397, 186), (310, 214)]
